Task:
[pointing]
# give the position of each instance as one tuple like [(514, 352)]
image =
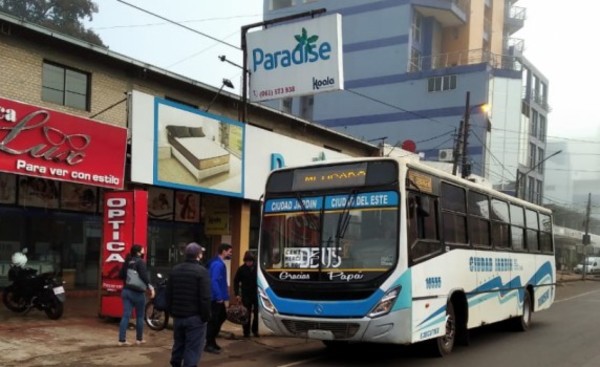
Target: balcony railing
[(470, 57), (515, 18), (514, 46), (517, 13)]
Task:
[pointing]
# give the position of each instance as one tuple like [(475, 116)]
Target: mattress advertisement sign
[(178, 146), (39, 142), (297, 59)]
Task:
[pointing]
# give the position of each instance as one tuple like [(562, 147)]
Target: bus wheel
[(523, 322), (444, 344)]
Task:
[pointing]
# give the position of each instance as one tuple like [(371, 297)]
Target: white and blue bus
[(387, 250)]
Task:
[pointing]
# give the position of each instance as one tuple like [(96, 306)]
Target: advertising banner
[(296, 59), (40, 142), (181, 147), (125, 224)]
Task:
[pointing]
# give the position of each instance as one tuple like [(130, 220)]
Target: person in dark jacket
[(244, 284), (134, 298), (188, 301)]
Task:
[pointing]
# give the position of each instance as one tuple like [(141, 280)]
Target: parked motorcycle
[(156, 316), (31, 290)]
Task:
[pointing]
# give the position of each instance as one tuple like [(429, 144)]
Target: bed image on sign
[(200, 155)]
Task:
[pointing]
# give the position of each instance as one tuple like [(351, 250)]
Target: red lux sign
[(125, 223), (39, 142)]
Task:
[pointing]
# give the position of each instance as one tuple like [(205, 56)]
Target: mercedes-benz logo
[(319, 309)]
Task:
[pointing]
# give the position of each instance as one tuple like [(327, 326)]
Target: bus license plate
[(59, 290), (320, 334)]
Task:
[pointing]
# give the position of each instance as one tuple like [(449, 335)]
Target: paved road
[(565, 335)]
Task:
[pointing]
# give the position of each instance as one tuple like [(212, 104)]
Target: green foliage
[(64, 16)]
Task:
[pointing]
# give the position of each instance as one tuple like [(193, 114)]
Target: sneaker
[(257, 335), (217, 346), (211, 349), (138, 342), (124, 344)]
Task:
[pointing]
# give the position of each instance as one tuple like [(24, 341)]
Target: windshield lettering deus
[(308, 258)]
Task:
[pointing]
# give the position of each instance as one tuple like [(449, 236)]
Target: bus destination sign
[(350, 175)]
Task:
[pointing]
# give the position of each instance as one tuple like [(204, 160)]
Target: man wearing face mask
[(220, 294)]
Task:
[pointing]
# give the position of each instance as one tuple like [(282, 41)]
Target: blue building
[(408, 68)]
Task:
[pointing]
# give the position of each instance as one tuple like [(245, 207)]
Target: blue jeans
[(189, 335), (131, 300)]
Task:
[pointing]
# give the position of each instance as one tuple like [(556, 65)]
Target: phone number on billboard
[(276, 91)]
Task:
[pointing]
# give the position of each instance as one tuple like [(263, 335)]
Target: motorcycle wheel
[(54, 310), (11, 301), (155, 319)]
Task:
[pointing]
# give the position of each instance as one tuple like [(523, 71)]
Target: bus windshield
[(330, 237)]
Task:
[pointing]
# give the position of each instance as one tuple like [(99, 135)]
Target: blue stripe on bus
[(494, 288), (358, 308)]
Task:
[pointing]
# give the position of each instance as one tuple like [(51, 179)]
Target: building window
[(441, 83), (531, 189), (65, 86), (280, 4), (286, 105), (532, 154), (539, 188), (542, 128), (540, 159), (533, 131), (417, 23)]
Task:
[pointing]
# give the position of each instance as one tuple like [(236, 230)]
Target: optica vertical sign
[(125, 224)]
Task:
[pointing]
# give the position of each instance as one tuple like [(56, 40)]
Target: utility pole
[(456, 150), (465, 136), (586, 237)]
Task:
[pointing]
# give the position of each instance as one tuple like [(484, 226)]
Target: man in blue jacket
[(220, 294)]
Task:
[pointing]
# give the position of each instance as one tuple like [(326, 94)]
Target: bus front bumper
[(394, 327)]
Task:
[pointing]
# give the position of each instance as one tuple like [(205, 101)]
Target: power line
[(199, 52), (182, 21), (492, 155), (395, 107), (180, 25)]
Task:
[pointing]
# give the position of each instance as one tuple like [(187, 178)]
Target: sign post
[(125, 224)]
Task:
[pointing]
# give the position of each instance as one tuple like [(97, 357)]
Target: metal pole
[(587, 229), (465, 135), (456, 151), (517, 180)]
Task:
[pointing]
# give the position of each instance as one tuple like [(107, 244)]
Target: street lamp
[(225, 83), (517, 181)]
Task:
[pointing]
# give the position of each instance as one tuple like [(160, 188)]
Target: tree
[(64, 16)]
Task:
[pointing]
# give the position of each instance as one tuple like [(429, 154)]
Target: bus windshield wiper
[(305, 211), (344, 219)]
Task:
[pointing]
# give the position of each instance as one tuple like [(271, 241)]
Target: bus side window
[(422, 230)]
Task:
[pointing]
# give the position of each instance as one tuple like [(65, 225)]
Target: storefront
[(54, 168)]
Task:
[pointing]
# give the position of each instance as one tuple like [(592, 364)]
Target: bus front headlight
[(385, 305), (265, 301)]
